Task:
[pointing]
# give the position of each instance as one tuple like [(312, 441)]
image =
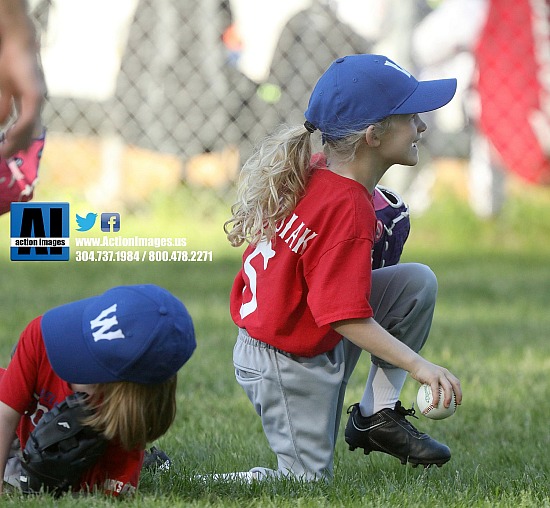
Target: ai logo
[(39, 232)]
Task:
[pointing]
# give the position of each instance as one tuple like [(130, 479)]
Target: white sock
[(382, 389)]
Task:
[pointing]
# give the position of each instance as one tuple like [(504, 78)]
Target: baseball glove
[(60, 448), (392, 227)]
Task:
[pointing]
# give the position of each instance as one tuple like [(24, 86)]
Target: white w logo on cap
[(105, 323), (395, 66)]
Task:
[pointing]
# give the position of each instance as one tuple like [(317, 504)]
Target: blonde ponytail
[(272, 181)]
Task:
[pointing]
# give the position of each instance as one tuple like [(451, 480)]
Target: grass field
[(491, 328)]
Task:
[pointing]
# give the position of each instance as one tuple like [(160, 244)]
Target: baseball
[(424, 401)]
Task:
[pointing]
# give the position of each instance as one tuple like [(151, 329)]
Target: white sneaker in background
[(255, 474)]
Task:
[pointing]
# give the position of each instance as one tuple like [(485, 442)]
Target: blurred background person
[(21, 81)]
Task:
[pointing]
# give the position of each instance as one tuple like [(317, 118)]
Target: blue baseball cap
[(138, 333), (359, 90)]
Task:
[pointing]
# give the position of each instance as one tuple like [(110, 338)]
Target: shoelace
[(405, 412), (401, 411)]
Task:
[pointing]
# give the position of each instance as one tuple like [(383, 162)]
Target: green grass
[(491, 328)]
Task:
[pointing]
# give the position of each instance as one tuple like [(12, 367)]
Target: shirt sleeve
[(339, 279), (18, 383), (339, 286)]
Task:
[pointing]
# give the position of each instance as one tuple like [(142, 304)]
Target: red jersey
[(316, 269), (32, 388)]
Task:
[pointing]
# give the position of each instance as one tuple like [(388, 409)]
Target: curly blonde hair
[(274, 178), (271, 182)]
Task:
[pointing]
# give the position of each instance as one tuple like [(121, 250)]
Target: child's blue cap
[(141, 334), (359, 90)]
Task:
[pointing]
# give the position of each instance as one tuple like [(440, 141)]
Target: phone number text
[(155, 256)]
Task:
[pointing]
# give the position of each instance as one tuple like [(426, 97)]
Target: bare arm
[(21, 79), (9, 418), (370, 336)]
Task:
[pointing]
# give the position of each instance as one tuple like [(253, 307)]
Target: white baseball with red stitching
[(424, 402)]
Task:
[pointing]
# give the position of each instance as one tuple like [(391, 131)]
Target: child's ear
[(372, 137)]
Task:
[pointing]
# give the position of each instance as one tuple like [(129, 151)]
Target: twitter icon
[(86, 223)]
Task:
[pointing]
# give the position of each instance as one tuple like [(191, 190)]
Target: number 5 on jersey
[(264, 249)]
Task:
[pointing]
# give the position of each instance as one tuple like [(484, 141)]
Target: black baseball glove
[(392, 227), (60, 448)]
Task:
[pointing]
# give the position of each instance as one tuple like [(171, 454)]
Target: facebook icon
[(110, 222)]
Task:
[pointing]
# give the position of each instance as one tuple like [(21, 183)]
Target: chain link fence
[(146, 95)]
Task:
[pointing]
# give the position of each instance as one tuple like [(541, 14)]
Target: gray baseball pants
[(300, 399)]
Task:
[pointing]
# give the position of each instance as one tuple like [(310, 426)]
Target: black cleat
[(388, 431)]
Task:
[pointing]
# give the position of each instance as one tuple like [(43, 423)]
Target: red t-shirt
[(315, 271), (32, 388)]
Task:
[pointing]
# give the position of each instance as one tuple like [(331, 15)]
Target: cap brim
[(427, 96), (66, 347)]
